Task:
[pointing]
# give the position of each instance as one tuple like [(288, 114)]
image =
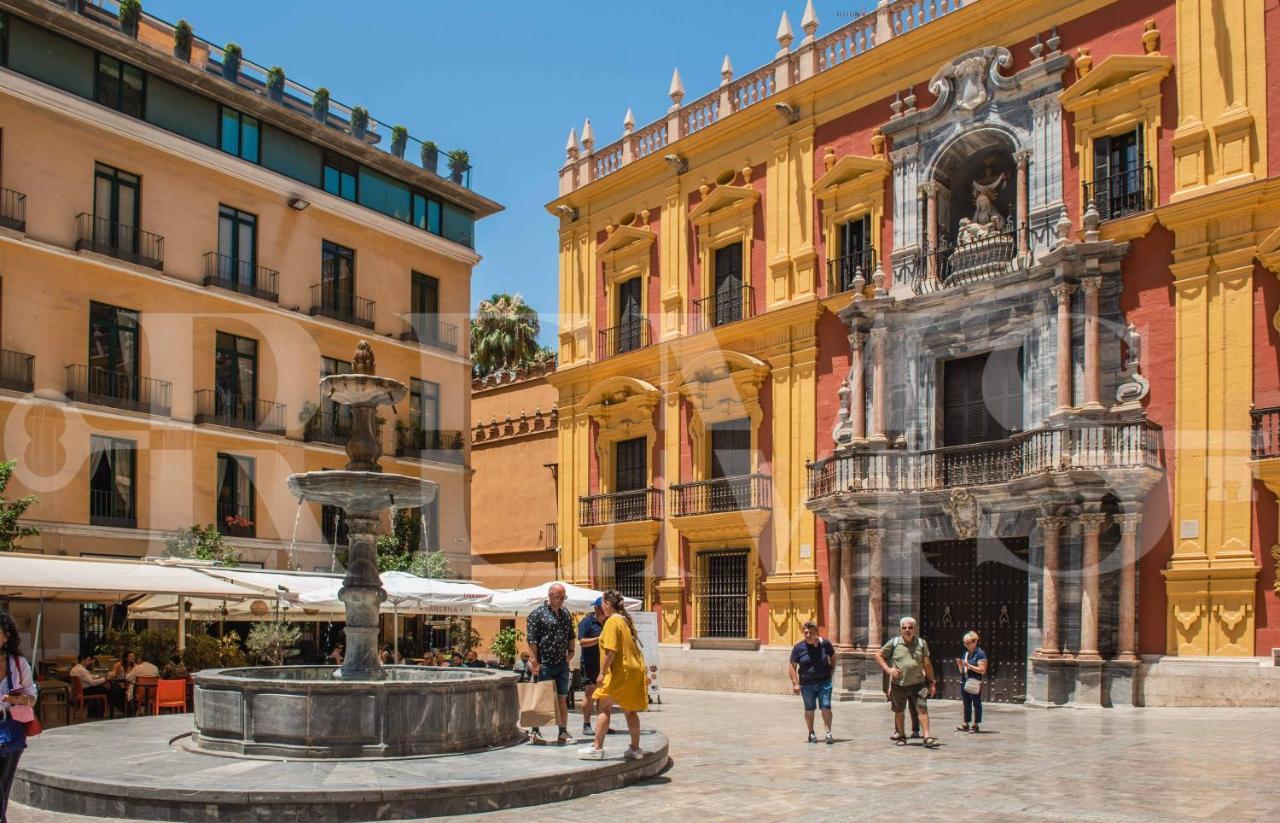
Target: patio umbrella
[(523, 601)]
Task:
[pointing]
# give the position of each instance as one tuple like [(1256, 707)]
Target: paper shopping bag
[(537, 703)]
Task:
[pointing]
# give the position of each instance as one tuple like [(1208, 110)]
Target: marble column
[(930, 192), (1128, 641), (1091, 523), (1050, 646), (849, 556), (879, 340), (1062, 292), (1024, 230), (858, 400), (834, 541), (1092, 359), (875, 580)]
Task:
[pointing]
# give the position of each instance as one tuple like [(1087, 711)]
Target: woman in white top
[(17, 689)]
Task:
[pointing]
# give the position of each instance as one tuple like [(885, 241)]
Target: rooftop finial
[(677, 89), (628, 122), (726, 71), (785, 35), (588, 137), (571, 147), (809, 22)]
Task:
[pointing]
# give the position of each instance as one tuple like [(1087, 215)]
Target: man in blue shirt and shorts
[(812, 665), (589, 629)]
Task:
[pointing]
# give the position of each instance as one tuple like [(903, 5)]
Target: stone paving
[(742, 755)]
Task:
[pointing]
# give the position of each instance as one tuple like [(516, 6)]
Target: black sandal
[(963, 728), (931, 742), (902, 741)]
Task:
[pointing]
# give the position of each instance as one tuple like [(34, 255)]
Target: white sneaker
[(590, 753), (633, 754)]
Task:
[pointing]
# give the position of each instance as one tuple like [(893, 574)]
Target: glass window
[(237, 246), (119, 85), (424, 404), (426, 213), (340, 176), (381, 193), (236, 375), (239, 134), (235, 495), (111, 482), (458, 226), (113, 351)]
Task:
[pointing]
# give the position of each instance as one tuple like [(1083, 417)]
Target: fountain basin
[(362, 389), (363, 492), (304, 712)]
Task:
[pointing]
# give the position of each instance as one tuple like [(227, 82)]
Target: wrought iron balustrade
[(17, 370), (431, 444), (236, 519), (429, 330), (1122, 445), (722, 494), (550, 536), (722, 307), (620, 507), (337, 299), (224, 409), (328, 426), (104, 387), (13, 209), (1266, 432), (1121, 194), (118, 240), (241, 276), (109, 508), (626, 336), (842, 270)]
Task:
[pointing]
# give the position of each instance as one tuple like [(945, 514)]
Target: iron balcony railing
[(337, 299), (550, 536), (1104, 446), (1266, 432), (628, 335), (722, 307), (328, 426), (13, 209), (241, 276), (723, 494), (1121, 194), (17, 370), (429, 330), (722, 594), (841, 271), (236, 519), (438, 445), (225, 409), (620, 507), (108, 507), (114, 239), (103, 387)]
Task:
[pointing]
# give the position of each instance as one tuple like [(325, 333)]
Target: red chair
[(80, 700), (144, 694), (171, 694)]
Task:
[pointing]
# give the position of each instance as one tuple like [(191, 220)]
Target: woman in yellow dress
[(622, 678)]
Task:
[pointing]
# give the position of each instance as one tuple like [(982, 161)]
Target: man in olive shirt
[(906, 660)]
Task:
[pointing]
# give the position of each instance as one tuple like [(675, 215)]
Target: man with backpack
[(911, 681), (811, 671)]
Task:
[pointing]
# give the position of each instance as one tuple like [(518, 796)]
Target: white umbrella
[(404, 589), (577, 599)]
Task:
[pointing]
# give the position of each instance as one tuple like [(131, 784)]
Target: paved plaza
[(740, 755)]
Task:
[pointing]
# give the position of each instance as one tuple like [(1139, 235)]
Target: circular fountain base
[(307, 712), (138, 769)]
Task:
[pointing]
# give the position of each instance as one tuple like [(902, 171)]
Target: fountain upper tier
[(362, 389), (363, 492)]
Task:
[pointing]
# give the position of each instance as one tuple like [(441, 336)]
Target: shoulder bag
[(972, 684), (25, 715)]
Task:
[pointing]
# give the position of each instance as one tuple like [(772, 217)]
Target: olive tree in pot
[(359, 122), (320, 105), (129, 14), (399, 137), (272, 643), (231, 62), (430, 156), (505, 644), (275, 84), (459, 162), (182, 35)]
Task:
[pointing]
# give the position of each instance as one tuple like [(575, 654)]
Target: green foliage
[(153, 645), (233, 52), (505, 643), (201, 543), (129, 13), (359, 120), (182, 34), (116, 642), (271, 643), (461, 636), (275, 78), (202, 652), (459, 159), (11, 510), (230, 655), (320, 103), (504, 335)]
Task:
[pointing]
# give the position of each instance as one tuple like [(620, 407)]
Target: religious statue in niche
[(987, 219), (983, 246)]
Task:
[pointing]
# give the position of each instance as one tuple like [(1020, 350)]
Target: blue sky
[(505, 81)]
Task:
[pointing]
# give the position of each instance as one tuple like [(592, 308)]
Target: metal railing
[(115, 239), (421, 444), (1103, 446), (628, 335), (841, 271), (241, 276), (328, 426), (236, 520), (723, 494), (17, 370), (620, 507), (224, 409), (108, 508), (429, 330), (337, 299), (104, 387), (13, 209), (1266, 432), (550, 536), (1121, 194), (722, 594), (722, 307)]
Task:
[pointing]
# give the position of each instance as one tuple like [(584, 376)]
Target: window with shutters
[(856, 254), (731, 448), (982, 398), (626, 576), (728, 285), (630, 315), (1121, 176), (630, 466)]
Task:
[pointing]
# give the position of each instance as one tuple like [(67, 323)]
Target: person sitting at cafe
[(123, 666), (388, 655), (174, 670), (90, 683), (143, 668), (474, 661), (335, 655), (455, 659)]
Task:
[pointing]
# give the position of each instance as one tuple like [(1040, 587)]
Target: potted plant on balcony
[(275, 84), (320, 105), (409, 438), (182, 35), (359, 122), (430, 156), (231, 63), (129, 14), (459, 162), (399, 137)]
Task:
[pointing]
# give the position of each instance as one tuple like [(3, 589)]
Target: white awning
[(523, 601), (408, 593), (101, 580)]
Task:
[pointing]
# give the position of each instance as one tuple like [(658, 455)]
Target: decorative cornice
[(508, 377), (526, 425)]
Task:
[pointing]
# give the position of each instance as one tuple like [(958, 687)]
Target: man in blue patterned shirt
[(550, 634)]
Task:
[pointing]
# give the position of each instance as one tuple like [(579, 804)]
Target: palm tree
[(504, 334)]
